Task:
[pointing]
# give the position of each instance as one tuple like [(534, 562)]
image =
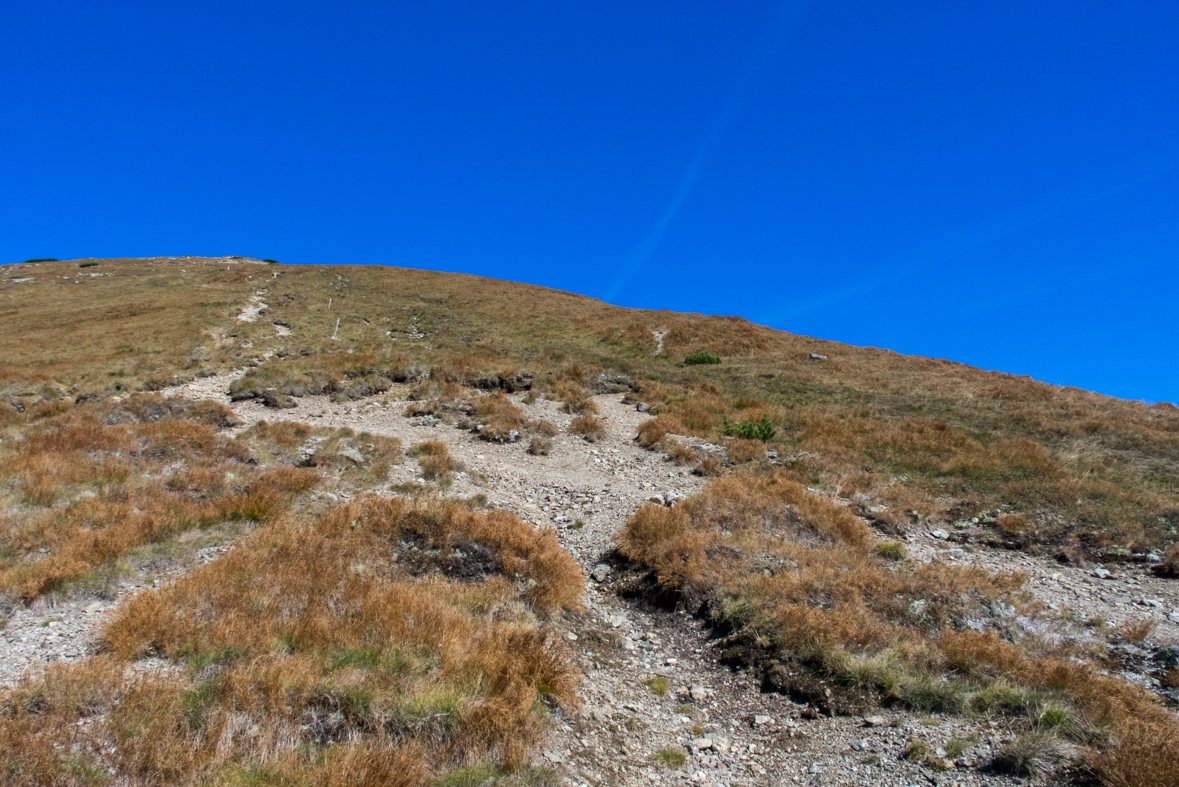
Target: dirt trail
[(729, 732)]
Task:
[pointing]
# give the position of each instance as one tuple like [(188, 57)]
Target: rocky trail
[(658, 706)]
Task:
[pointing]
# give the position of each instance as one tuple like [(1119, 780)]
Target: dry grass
[(932, 435), (589, 427), (89, 491), (434, 458), (497, 417), (799, 581), (386, 662)]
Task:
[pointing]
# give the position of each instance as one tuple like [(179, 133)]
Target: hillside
[(361, 524)]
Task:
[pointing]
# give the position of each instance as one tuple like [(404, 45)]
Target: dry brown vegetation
[(589, 427), (798, 582), (356, 649), (914, 434), (497, 417), (434, 458), (385, 642), (91, 484)]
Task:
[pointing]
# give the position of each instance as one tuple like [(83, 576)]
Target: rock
[(600, 572), (641, 407), (627, 643), (1102, 573), (697, 692), (761, 721), (701, 743), (513, 435), (617, 621), (352, 454), (958, 554), (875, 721), (939, 533), (817, 357)]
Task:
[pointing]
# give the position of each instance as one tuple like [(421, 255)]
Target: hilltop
[(355, 524)]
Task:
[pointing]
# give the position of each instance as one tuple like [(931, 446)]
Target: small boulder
[(600, 572), (352, 455), (1102, 573)]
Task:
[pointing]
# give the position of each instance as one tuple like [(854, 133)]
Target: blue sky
[(991, 182)]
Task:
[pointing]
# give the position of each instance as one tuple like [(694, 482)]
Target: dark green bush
[(43, 259), (701, 357), (272, 262), (87, 264)]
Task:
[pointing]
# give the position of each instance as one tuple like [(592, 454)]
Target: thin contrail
[(763, 54)]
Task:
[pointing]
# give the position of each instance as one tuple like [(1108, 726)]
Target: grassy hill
[(1038, 466), (414, 639)]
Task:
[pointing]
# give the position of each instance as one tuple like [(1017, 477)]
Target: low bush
[(434, 458), (589, 427), (87, 264), (540, 446), (497, 418), (762, 429), (702, 357)]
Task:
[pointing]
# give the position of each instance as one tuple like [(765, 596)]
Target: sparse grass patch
[(669, 758), (497, 417), (590, 428), (1034, 754), (891, 550), (658, 686), (434, 459), (1136, 631)]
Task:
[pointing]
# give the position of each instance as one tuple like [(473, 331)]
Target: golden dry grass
[(89, 491), (355, 649), (796, 578), (956, 435)]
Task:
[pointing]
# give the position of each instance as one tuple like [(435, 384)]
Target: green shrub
[(751, 430), (658, 686), (87, 264), (272, 262), (701, 357), (43, 259)]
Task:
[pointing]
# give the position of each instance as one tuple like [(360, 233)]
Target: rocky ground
[(658, 708)]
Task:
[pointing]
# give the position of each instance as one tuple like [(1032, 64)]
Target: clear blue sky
[(993, 182)]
